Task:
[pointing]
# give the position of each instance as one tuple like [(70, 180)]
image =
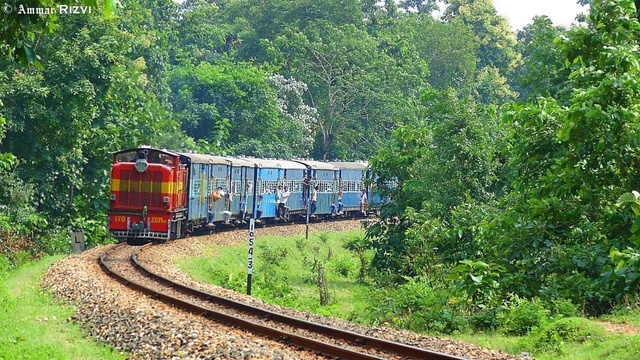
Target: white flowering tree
[(301, 120)]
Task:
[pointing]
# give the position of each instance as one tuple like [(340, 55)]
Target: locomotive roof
[(204, 159), (165, 151), (350, 165), (318, 165), (279, 164)]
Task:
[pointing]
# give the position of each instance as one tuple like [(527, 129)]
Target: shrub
[(5, 266), (520, 316), (323, 237), (414, 305), (344, 266), (563, 308), (485, 319), (477, 280), (358, 246), (555, 334)]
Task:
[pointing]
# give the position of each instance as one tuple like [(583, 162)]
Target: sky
[(521, 12)]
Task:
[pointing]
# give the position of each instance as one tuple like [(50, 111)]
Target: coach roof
[(241, 161), (318, 165), (205, 159), (350, 165), (279, 164)]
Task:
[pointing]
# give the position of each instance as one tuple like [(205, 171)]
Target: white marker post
[(252, 236), (77, 242)]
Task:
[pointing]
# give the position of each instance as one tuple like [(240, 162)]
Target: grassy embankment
[(287, 270), (34, 326)]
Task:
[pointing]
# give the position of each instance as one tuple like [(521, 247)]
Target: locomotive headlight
[(165, 199), (141, 165), (112, 197)]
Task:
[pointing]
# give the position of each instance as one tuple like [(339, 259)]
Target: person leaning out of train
[(217, 195)]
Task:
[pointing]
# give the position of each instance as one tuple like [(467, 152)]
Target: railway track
[(121, 262)]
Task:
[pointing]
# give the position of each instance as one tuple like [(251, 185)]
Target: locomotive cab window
[(152, 156), (129, 156)]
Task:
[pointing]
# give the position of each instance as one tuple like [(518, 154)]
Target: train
[(158, 194)]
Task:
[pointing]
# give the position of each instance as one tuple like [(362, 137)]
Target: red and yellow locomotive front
[(148, 195)]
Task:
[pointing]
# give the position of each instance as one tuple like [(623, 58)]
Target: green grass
[(283, 271), (34, 326)]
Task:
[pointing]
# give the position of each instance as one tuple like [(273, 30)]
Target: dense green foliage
[(535, 195), (499, 157), (286, 273)]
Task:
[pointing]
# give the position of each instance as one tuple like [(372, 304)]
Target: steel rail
[(296, 340), (352, 337)]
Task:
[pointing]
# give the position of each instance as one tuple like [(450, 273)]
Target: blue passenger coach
[(271, 173), (352, 176), (242, 179), (325, 176), (208, 174)]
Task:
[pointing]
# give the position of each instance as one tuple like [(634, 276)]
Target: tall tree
[(436, 165), (543, 72), (497, 41), (92, 99), (574, 165)]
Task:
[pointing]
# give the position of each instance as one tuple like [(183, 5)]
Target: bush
[(5, 266), (344, 266), (416, 306), (520, 316), (563, 308), (485, 319), (554, 335)]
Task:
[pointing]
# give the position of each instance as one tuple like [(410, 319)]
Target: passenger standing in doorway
[(259, 210), (337, 206), (364, 202), (278, 197), (314, 200), (243, 209), (282, 206)]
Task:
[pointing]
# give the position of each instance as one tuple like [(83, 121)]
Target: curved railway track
[(121, 262)]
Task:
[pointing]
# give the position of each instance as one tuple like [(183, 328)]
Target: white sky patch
[(521, 12)]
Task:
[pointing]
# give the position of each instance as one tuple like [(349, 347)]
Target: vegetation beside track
[(34, 326), (286, 273)]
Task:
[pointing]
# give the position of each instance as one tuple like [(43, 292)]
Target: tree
[(572, 163), (438, 164), (234, 106), (543, 72), (497, 41), (420, 6), (21, 33), (451, 50), (201, 34), (92, 99)]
